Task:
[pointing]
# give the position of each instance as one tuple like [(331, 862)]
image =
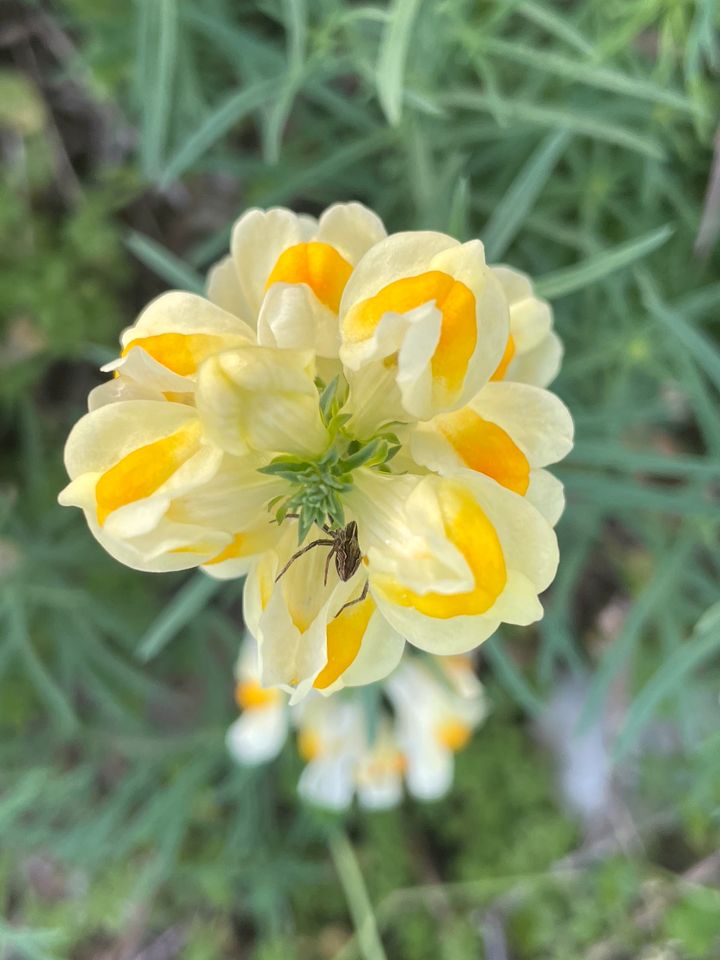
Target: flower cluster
[(435, 704), (356, 421)]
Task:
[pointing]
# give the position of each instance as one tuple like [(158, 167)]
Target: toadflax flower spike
[(358, 423)]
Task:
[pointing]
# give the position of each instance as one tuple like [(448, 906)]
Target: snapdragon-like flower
[(341, 421), (435, 703)]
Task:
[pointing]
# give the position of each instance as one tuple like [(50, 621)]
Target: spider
[(344, 546)]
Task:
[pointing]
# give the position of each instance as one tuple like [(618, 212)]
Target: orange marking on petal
[(456, 302), (308, 744), (484, 446), (506, 359), (142, 472), (232, 550), (249, 695), (344, 639), (319, 266), (469, 529), (180, 352), (453, 734)]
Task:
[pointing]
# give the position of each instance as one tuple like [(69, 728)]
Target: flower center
[(318, 484)]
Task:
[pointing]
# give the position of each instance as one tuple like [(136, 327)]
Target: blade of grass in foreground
[(351, 878), (187, 603), (595, 268)]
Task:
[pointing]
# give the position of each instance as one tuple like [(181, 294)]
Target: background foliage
[(576, 139)]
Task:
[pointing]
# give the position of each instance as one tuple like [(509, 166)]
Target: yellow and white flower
[(221, 443), (308, 638), (286, 273), (424, 323), (259, 733), (436, 712), (533, 352), (510, 432)]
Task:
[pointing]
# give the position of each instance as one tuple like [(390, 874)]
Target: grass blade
[(187, 603), (704, 643), (587, 73), (351, 878), (562, 282), (508, 216), (393, 54), (697, 344), (512, 113), (165, 264), (160, 22), (230, 112)]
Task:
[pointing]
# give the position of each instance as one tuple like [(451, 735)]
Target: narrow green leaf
[(357, 897), (160, 20), (562, 282), (698, 345), (512, 113), (588, 73), (394, 45), (674, 672), (230, 112), (557, 24), (165, 264), (510, 676), (646, 606), (188, 602), (509, 214)]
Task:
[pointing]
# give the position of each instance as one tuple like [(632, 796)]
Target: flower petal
[(261, 398)]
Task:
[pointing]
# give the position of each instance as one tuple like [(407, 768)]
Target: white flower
[(436, 713), (259, 733), (340, 760)]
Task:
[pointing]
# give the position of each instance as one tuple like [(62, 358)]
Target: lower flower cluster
[(428, 711)]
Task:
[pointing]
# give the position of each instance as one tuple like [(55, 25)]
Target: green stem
[(351, 878)]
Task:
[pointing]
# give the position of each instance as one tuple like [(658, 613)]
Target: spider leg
[(299, 553), (359, 599), (331, 554)]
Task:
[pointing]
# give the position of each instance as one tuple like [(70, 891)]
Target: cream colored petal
[(120, 389), (148, 374), (528, 541), (546, 494), (536, 420), (379, 654), (439, 636), (258, 239), (328, 782), (292, 318), (530, 316), (261, 398), (223, 289), (467, 264), (351, 228), (400, 255), (258, 735), (101, 438), (163, 549), (540, 365), (187, 313)]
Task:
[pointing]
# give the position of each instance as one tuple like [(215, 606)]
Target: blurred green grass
[(576, 139)]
